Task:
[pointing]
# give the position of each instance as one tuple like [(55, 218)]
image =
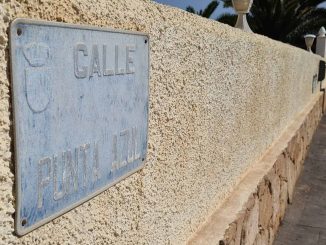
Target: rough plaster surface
[(253, 212), (218, 98)]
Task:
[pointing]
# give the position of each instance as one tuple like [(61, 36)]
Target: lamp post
[(242, 7), (309, 39), (321, 42)]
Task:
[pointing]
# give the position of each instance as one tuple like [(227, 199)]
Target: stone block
[(262, 238), (240, 220), (280, 166), (265, 203), (291, 178), (233, 234), (250, 227), (276, 192), (297, 154), (283, 198), (271, 233), (230, 234), (292, 146)]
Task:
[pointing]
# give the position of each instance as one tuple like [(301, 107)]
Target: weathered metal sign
[(80, 97)]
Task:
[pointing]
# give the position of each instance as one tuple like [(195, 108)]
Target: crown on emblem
[(36, 54)]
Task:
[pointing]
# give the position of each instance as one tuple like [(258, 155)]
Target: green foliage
[(191, 9), (227, 18), (207, 12), (284, 20), (227, 3)]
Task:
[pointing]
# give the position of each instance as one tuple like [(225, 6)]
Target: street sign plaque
[(80, 99)]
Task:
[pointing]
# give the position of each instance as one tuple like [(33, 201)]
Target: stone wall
[(219, 98), (254, 210)]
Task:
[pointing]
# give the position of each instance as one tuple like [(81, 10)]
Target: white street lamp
[(321, 43), (242, 7), (309, 39)]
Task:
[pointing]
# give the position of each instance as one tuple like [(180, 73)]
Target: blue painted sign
[(80, 97)]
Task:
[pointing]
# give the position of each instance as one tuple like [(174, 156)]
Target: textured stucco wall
[(218, 98), (253, 212)]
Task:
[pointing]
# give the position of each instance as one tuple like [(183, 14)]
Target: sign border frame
[(19, 229)]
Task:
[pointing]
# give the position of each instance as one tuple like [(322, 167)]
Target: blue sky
[(200, 4), (197, 4)]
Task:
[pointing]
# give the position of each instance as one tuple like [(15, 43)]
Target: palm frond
[(207, 12), (227, 3), (210, 9), (191, 9), (284, 20), (227, 18)]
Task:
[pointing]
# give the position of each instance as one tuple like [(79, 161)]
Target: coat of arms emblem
[(37, 76)]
